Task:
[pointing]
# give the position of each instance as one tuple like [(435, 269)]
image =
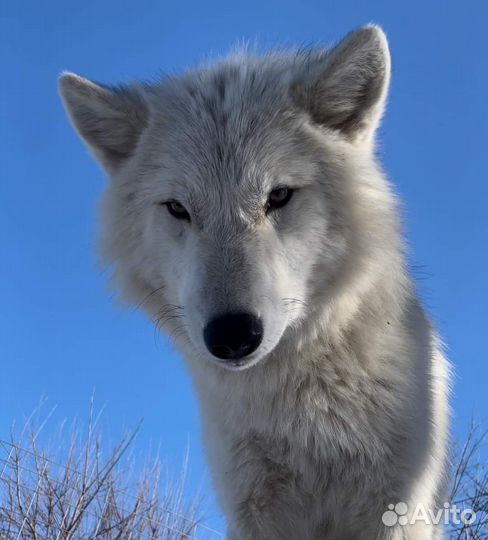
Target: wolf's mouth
[(239, 364)]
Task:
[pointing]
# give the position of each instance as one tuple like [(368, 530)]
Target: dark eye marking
[(177, 210), (278, 198)]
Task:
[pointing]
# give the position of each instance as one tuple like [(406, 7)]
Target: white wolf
[(247, 214)]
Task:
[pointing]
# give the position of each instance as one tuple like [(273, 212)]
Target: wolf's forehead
[(222, 123), (233, 94)]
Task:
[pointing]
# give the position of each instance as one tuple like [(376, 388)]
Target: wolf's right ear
[(346, 88), (109, 120)]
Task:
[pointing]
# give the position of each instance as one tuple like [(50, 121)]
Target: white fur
[(343, 408)]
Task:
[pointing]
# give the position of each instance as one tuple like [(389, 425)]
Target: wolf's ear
[(109, 120), (346, 89)]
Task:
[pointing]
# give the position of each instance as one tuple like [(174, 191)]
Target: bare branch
[(469, 486), (71, 491)]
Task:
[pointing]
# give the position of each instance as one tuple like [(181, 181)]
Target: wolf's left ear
[(346, 89), (109, 120)]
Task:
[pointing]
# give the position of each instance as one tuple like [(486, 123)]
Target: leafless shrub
[(469, 487), (71, 490)]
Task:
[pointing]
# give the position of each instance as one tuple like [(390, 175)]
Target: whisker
[(149, 296)]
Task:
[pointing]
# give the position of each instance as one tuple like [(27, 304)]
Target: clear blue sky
[(61, 334)]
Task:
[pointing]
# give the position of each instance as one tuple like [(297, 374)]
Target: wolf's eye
[(177, 210), (278, 198)]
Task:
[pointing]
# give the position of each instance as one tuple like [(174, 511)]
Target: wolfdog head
[(241, 195)]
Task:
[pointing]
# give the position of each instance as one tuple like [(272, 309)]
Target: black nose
[(233, 335)]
